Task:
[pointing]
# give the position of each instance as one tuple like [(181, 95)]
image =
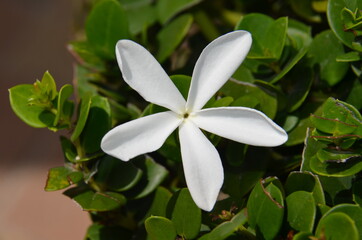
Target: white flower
[(201, 161)]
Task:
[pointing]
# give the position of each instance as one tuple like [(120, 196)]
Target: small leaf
[(98, 123), (160, 228), (95, 201), (337, 226), (82, 116), (171, 36), (301, 211), (266, 209), (357, 192), (64, 93), (62, 177), (105, 25), (159, 202), (69, 150), (331, 71), (268, 35), (184, 213), (33, 115)]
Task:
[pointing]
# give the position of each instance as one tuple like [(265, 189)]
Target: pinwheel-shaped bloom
[(201, 161)]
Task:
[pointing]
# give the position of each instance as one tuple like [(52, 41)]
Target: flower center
[(186, 115)]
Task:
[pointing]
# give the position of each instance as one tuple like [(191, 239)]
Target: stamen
[(186, 115)]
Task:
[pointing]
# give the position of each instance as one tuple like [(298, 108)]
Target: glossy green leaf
[(320, 53), (48, 86), (97, 231), (167, 9), (349, 57), (95, 201), (353, 211), (34, 116), (355, 96), (305, 181), (160, 228), (117, 175), (82, 116), (337, 225), (266, 209), (97, 125), (336, 23), (172, 35), (268, 35), (225, 229), (301, 210), (62, 177), (184, 214), (62, 110), (105, 25)]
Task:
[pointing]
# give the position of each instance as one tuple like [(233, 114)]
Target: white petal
[(241, 124), (145, 75), (143, 135), (216, 64), (202, 166)]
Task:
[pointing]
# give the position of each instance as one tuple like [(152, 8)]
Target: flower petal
[(140, 136), (145, 75), (241, 124), (216, 64), (202, 166)]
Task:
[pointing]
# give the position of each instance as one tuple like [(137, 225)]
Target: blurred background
[(33, 39)]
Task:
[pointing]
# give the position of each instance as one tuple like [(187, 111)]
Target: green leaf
[(159, 202), (97, 231), (305, 181), (336, 23), (225, 229), (337, 225), (62, 177), (353, 211), (172, 35), (105, 25), (64, 111), (140, 15), (48, 86), (266, 209), (167, 9), (33, 115), (355, 96), (266, 98), (160, 228), (184, 214), (153, 175), (85, 55), (95, 201), (82, 116), (301, 211), (349, 57), (97, 125), (299, 40), (117, 175), (320, 53), (268, 35), (302, 236), (69, 150)]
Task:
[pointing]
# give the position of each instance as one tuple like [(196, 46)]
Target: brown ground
[(33, 36)]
